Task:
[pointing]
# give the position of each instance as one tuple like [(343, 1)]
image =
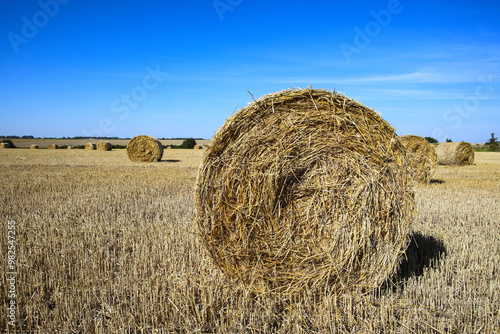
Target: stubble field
[(104, 245)]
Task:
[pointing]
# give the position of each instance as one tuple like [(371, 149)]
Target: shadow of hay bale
[(436, 181), (423, 251), (170, 160)]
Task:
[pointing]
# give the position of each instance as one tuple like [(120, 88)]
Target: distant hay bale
[(104, 146), (34, 147), (455, 153), (90, 146), (53, 147), (197, 147), (4, 145), (305, 189), (422, 157), (145, 149), (70, 147), (168, 147)]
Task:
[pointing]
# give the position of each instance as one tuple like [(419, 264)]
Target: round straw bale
[(305, 189), (455, 153), (71, 147), (34, 147), (144, 148), (53, 147), (422, 157), (197, 147), (4, 145), (90, 146), (104, 146)]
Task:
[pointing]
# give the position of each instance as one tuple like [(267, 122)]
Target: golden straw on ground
[(422, 157), (144, 148), (455, 153), (305, 189)]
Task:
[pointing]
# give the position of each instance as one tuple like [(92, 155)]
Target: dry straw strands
[(4, 145), (456, 153), (104, 146), (53, 147), (144, 148), (422, 157), (34, 147), (90, 146), (305, 189)]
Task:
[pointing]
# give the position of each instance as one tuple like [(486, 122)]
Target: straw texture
[(305, 189), (104, 146), (144, 148), (456, 153), (90, 146), (422, 156)]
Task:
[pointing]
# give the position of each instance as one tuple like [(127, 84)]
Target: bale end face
[(455, 153), (422, 157), (305, 189), (104, 146), (91, 146), (144, 149)]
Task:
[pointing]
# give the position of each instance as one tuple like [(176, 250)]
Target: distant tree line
[(82, 137)]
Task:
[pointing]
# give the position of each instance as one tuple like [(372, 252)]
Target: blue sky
[(180, 68)]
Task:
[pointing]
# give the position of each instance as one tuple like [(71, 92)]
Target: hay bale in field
[(90, 146), (4, 145), (197, 147), (456, 153), (70, 147), (104, 146), (422, 157), (34, 147), (53, 147), (144, 148), (305, 189)]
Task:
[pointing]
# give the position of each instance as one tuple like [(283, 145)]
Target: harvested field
[(107, 245)]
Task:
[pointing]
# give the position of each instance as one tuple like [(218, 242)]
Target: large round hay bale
[(53, 147), (4, 145), (104, 146), (305, 189), (90, 146), (455, 153), (144, 148), (34, 146), (197, 147), (422, 156)]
